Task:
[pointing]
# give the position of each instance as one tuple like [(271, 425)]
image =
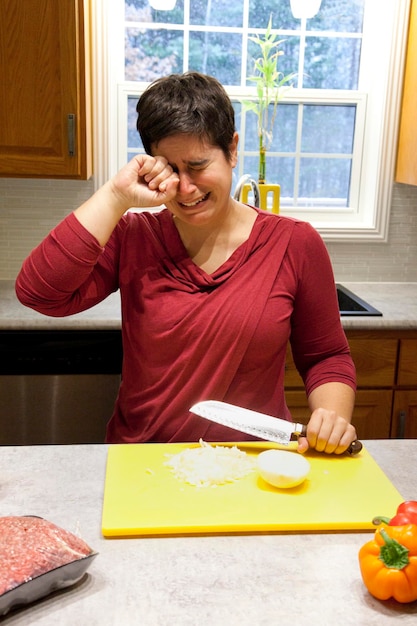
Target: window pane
[(280, 170), (141, 11), (284, 131), (343, 16), (218, 54), (324, 178), (150, 54), (216, 13), (332, 63), (133, 139), (328, 128), (247, 165), (282, 18), (285, 128), (251, 132), (287, 63), (175, 16)]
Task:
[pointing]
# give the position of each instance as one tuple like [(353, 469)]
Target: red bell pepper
[(406, 514)]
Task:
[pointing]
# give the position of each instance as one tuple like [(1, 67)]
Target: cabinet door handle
[(401, 425), (71, 134)]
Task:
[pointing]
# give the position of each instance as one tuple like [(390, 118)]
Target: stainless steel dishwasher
[(57, 387)]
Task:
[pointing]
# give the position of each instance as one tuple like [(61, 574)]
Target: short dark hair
[(191, 104)]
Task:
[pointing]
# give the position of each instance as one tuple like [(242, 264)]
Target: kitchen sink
[(351, 304)]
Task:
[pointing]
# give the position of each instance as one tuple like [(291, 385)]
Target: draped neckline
[(179, 254)]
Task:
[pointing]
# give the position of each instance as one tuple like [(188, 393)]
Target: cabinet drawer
[(407, 364), (375, 361)]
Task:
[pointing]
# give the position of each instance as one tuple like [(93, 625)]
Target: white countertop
[(242, 580), (396, 301)]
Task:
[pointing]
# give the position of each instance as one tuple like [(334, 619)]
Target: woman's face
[(205, 177)]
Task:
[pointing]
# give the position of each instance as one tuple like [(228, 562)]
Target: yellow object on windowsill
[(269, 196)]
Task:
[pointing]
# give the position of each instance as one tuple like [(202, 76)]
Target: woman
[(211, 289)]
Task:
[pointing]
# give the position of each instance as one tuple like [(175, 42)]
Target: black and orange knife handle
[(355, 447)]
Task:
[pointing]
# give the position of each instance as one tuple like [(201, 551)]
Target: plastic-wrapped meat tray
[(37, 558)]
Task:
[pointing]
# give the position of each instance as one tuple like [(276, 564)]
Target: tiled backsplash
[(29, 209), (394, 261)]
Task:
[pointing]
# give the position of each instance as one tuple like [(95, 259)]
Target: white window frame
[(378, 108)]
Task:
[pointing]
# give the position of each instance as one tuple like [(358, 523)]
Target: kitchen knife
[(254, 423)]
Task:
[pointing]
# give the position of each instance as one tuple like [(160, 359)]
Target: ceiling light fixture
[(163, 5), (305, 9)]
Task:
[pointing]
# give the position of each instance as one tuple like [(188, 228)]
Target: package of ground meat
[(36, 558)]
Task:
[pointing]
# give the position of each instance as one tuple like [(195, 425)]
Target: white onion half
[(283, 469)]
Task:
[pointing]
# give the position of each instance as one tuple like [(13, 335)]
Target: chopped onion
[(209, 466)]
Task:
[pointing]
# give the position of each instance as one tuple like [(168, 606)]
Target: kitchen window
[(335, 133)]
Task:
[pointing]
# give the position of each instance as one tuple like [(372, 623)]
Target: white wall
[(29, 209)]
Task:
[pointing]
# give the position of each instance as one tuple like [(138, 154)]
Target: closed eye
[(194, 166), (197, 165)]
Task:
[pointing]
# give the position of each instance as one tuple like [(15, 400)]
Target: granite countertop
[(242, 580), (15, 316), (396, 301)]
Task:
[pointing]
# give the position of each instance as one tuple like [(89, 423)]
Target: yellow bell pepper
[(388, 563)]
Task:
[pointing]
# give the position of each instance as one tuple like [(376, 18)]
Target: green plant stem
[(262, 164)]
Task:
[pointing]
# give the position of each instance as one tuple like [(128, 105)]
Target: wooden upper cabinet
[(406, 171), (45, 111)]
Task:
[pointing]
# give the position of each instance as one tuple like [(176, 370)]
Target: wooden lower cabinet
[(298, 405), (404, 415), (375, 361), (371, 417), (372, 413), (386, 398), (407, 367)]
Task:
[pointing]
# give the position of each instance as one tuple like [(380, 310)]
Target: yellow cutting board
[(143, 497)]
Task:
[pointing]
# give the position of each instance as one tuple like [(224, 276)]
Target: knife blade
[(254, 423)]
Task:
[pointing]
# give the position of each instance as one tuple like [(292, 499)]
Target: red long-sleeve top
[(188, 335)]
